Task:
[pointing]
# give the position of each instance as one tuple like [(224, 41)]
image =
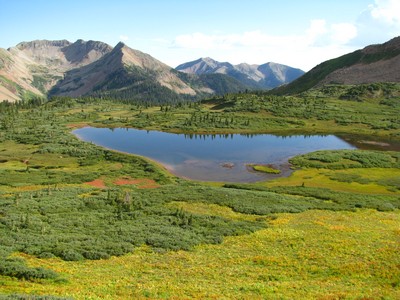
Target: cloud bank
[(322, 40)]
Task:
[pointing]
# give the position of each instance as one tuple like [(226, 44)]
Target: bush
[(95, 255), (343, 159), (71, 255), (17, 268)]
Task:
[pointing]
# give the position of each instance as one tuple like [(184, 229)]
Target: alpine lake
[(222, 157)]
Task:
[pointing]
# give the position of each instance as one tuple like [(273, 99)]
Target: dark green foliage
[(222, 84), (134, 83), (393, 182), (73, 227), (342, 200), (350, 178), (15, 267), (344, 159)]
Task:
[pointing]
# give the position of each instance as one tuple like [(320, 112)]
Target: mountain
[(264, 76), (62, 68), (32, 68), (374, 63)]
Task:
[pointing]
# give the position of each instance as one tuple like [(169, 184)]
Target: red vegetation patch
[(142, 183), (99, 183)]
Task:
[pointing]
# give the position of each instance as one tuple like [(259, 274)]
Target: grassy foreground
[(311, 255), (78, 221)]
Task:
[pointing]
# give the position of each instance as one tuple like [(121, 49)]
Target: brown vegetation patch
[(98, 183), (77, 125), (142, 183)]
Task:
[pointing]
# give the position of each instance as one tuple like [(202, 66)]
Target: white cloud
[(319, 42), (322, 40), (342, 33), (230, 41), (387, 11), (123, 38), (317, 29), (379, 22)]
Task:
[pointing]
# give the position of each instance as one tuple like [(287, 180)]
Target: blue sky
[(296, 33)]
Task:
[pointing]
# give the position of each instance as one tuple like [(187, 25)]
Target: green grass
[(315, 254), (320, 111), (327, 231), (265, 169)]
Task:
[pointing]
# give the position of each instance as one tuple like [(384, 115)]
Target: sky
[(300, 34)]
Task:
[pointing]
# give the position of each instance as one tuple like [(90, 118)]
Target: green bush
[(344, 159), (15, 267)]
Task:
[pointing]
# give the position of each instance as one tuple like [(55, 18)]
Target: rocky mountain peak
[(119, 46), (264, 76), (82, 52), (42, 44)]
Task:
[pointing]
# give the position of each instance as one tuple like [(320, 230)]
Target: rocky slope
[(83, 68), (264, 76), (374, 63), (32, 68)]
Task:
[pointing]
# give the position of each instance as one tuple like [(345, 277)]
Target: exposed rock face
[(94, 68), (381, 63), (81, 68), (375, 63), (121, 63), (35, 67)]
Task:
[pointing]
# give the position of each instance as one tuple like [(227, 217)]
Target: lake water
[(222, 157)]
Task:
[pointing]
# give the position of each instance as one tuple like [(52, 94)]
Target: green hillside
[(81, 221), (368, 55)]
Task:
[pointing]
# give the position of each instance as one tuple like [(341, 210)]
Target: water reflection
[(206, 156)]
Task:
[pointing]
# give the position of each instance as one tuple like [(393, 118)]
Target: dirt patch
[(98, 183), (374, 143), (141, 183), (77, 125)]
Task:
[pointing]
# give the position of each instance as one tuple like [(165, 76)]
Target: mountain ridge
[(114, 71), (33, 68), (265, 76), (92, 68), (373, 63), (87, 68)]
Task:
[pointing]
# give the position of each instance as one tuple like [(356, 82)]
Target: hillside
[(265, 76), (32, 68), (126, 74), (61, 68), (123, 70), (375, 63)]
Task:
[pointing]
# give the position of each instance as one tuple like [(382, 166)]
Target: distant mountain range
[(266, 76), (374, 63), (92, 68)]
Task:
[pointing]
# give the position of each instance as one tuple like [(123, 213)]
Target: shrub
[(71, 255), (17, 268)]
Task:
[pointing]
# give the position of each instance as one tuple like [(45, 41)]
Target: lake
[(217, 157)]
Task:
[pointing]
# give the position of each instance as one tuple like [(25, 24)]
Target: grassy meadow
[(81, 222)]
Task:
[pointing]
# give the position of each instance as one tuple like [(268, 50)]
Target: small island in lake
[(264, 168)]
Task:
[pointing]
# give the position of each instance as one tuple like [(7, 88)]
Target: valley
[(84, 221)]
